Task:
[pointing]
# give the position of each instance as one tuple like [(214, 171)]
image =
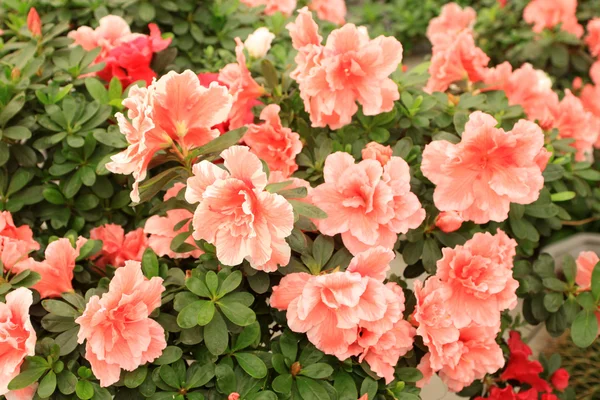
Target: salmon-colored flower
[(273, 143), (452, 20), (574, 122), (162, 229), (593, 37), (244, 89), (15, 242), (111, 32), (237, 215), (448, 221), (376, 151), (490, 168), (18, 336), (586, 262), (365, 202), (26, 393), (549, 14), (286, 7), (480, 277), (456, 61), (118, 247), (330, 10), (258, 43), (526, 87), (117, 326), (56, 270), (233, 396), (350, 68), (174, 109), (34, 23), (424, 367)]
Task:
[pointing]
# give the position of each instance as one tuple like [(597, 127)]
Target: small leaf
[(149, 263), (584, 329), (169, 356), (317, 371), (253, 365), (310, 389), (216, 335)]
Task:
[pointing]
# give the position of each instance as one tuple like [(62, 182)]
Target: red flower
[(508, 394), (560, 379), (520, 368), (34, 23), (502, 3)]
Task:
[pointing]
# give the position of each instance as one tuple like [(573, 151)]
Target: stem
[(580, 222)]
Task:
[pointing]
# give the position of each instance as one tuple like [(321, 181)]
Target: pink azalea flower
[(458, 60), (376, 151), (23, 394), (330, 10), (233, 396), (526, 87), (593, 37), (350, 68), (34, 23), (176, 108), (595, 72), (490, 168), (350, 313), (425, 368), (452, 20), (118, 247), (365, 202), (15, 242), (237, 215), (162, 229), (18, 337), (448, 221), (111, 32), (242, 86), (474, 355), (589, 98), (548, 14), (480, 277), (286, 7), (574, 122), (119, 331), (273, 143), (586, 262), (56, 270)]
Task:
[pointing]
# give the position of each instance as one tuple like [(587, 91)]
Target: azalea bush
[(259, 200)]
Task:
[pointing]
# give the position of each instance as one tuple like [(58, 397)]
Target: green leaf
[(188, 316), (12, 108), (288, 345), (283, 384), (317, 371), (310, 389), (212, 282), (89, 249), (16, 133), (67, 340), (146, 12), (66, 382), (247, 337), (569, 269), (253, 365), (197, 286), (84, 390), (31, 371), (169, 376), (553, 301), (555, 284), (169, 356), (259, 282), (216, 335), (206, 312), (97, 90), (596, 282), (19, 179), (345, 386), (562, 196), (237, 313), (60, 308), (221, 143), (431, 254), (584, 329), (322, 249), (226, 380), (231, 282), (150, 188), (308, 210), (150, 263), (407, 374), (369, 387), (199, 375), (47, 385), (135, 378)]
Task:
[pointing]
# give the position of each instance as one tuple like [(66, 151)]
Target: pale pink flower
[(162, 229), (237, 215), (474, 355), (118, 247), (273, 143), (176, 108), (350, 68), (119, 331), (589, 98), (23, 394), (574, 122), (480, 277), (286, 7), (448, 221), (586, 262), (330, 10), (376, 151), (258, 42), (242, 86), (56, 270), (456, 61), (18, 336), (593, 37), (549, 14), (526, 87), (15, 242), (452, 20), (365, 202), (111, 32), (425, 368), (233, 396), (490, 168), (364, 397)]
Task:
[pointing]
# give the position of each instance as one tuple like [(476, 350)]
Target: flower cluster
[(327, 10), (350, 68), (543, 14), (350, 313), (127, 55), (458, 309)]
